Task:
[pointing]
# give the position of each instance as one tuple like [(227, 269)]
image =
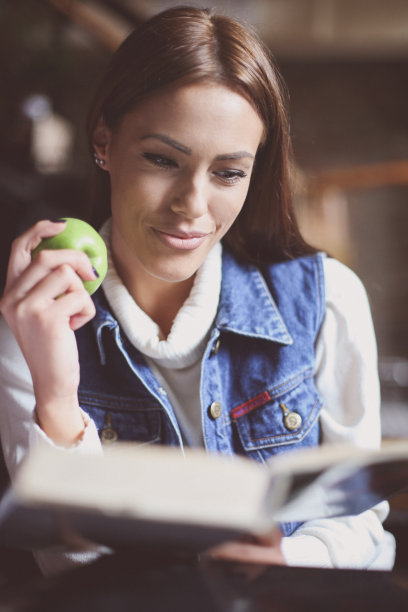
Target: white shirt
[(346, 377)]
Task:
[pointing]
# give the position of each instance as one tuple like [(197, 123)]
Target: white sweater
[(346, 377)]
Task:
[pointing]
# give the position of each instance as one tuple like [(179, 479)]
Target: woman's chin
[(177, 269)]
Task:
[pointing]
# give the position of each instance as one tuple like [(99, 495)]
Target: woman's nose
[(190, 199)]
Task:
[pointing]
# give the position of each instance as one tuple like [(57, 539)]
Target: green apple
[(80, 236)]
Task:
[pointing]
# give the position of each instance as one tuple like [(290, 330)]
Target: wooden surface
[(129, 582)]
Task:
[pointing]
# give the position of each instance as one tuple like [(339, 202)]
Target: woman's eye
[(160, 160), (231, 176)]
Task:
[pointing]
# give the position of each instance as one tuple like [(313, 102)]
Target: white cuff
[(89, 441), (305, 551)]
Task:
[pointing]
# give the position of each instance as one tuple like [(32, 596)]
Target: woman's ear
[(101, 142)]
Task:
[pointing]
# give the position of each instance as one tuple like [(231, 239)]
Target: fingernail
[(59, 220), (95, 272)]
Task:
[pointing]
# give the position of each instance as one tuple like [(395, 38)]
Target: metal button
[(107, 433), (291, 420), (215, 410), (216, 347)]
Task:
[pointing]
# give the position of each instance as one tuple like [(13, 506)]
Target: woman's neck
[(160, 300)]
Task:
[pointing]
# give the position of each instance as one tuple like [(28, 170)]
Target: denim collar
[(246, 305)]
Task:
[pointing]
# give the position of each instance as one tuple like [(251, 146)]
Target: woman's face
[(180, 166)]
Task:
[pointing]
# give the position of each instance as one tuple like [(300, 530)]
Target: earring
[(98, 160)]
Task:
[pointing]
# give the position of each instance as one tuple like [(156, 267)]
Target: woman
[(217, 325)]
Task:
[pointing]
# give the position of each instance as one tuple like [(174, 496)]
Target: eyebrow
[(169, 141), (187, 151), (237, 155)]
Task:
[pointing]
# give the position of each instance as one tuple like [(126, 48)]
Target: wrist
[(63, 422)]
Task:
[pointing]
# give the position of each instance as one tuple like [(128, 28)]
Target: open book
[(137, 495)]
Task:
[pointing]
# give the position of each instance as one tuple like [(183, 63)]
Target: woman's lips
[(180, 240)]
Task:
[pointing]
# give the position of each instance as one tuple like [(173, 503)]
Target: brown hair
[(187, 44)]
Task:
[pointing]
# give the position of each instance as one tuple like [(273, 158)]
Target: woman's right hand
[(44, 302)]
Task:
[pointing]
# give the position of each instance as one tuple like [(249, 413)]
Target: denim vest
[(258, 396)]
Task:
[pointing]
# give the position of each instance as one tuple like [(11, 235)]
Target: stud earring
[(98, 160)]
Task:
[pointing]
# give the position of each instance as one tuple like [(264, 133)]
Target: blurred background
[(345, 63)]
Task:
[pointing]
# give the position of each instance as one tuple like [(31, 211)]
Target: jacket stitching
[(262, 398), (286, 438)]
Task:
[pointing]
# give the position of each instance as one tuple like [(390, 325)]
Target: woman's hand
[(264, 550), (44, 302)]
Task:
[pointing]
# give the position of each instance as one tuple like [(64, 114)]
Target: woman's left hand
[(264, 550)]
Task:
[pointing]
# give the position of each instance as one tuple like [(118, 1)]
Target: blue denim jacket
[(258, 396)]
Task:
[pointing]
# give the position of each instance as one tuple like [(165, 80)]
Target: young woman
[(217, 325)]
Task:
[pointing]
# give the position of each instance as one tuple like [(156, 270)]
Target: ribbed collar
[(184, 344)]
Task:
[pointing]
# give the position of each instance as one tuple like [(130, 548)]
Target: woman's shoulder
[(342, 284)]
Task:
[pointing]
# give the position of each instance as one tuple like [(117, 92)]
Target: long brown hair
[(187, 44)]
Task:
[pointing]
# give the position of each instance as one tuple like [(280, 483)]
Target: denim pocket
[(123, 418), (282, 416)]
